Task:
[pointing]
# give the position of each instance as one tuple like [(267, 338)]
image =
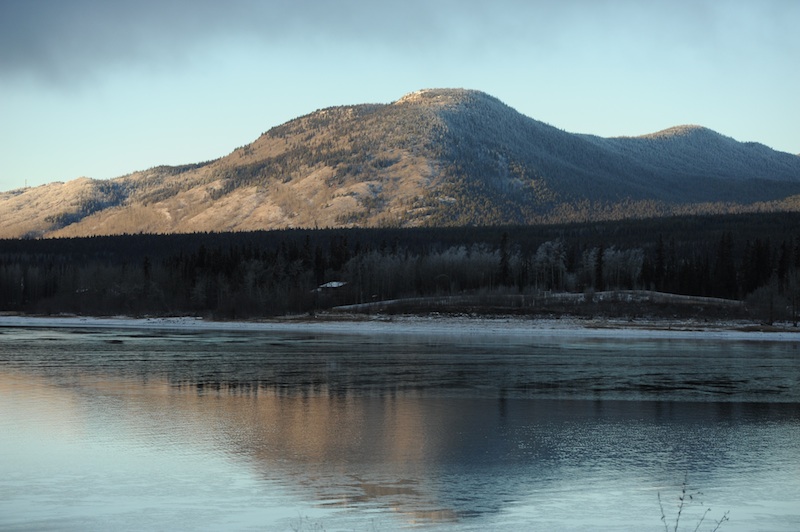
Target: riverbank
[(434, 324)]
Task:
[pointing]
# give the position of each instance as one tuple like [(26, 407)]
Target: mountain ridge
[(431, 157)]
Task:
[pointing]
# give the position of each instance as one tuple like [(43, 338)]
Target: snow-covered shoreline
[(432, 325)]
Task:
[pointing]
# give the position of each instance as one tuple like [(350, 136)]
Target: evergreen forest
[(753, 259)]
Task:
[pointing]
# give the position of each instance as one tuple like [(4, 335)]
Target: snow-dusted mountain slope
[(433, 157)]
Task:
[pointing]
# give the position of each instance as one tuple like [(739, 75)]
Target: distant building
[(332, 293)]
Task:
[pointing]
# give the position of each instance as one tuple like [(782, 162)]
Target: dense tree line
[(752, 258)]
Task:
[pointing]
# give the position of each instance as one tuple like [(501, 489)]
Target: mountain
[(433, 157)]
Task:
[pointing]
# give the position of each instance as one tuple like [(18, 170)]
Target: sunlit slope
[(433, 157)]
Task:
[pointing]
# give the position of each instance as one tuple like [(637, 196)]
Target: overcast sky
[(102, 88)]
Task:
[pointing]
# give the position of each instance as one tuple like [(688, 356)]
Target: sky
[(102, 88)]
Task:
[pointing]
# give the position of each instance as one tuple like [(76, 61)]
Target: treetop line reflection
[(287, 363), (422, 430)]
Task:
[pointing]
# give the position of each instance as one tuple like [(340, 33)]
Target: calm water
[(105, 429)]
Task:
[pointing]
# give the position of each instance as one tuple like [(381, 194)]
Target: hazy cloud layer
[(66, 40)]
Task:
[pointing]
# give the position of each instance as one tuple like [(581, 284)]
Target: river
[(301, 430)]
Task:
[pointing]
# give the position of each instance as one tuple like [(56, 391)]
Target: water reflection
[(419, 429), (515, 367)]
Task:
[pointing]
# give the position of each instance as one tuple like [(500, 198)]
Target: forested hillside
[(752, 258), (444, 157)]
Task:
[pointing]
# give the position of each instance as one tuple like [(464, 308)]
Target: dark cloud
[(60, 40), (63, 40)]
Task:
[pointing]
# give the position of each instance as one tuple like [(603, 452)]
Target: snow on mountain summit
[(677, 131), (444, 97)]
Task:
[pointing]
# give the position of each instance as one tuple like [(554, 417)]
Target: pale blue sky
[(103, 88)]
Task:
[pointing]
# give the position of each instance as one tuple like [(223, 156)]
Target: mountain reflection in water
[(413, 430), (333, 442)]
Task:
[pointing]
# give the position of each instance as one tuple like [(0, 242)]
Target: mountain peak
[(441, 97), (678, 131)]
